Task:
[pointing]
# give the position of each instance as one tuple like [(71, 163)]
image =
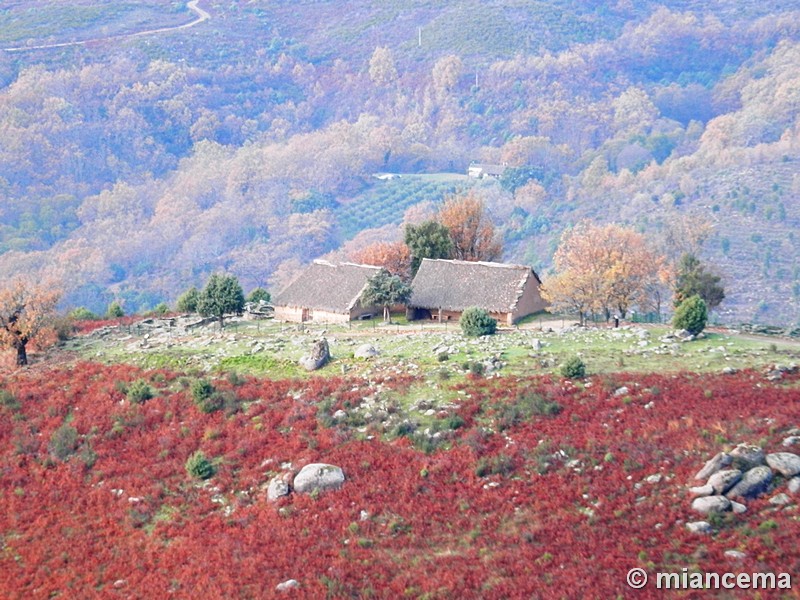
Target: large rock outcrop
[(752, 478)]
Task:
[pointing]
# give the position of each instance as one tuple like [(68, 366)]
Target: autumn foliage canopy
[(604, 269), (395, 257), (471, 229)]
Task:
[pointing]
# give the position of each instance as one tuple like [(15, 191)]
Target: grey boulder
[(785, 463), (747, 456), (752, 484), (699, 527), (720, 461), (722, 481), (318, 476), (278, 488), (318, 357), (366, 351), (711, 504)]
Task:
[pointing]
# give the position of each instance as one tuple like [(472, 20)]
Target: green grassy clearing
[(430, 350)]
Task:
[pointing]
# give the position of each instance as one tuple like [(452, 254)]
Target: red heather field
[(115, 514)]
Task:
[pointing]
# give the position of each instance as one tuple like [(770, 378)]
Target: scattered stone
[(318, 476), (702, 490), (340, 415), (536, 345), (623, 391), (120, 583), (791, 440), (729, 371), (747, 456), (720, 461), (711, 504), (287, 585), (318, 357), (735, 554), (722, 481), (752, 484), (785, 463), (794, 485), (699, 527), (652, 479), (780, 499), (366, 351)]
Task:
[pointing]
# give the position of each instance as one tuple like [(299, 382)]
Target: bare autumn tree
[(471, 230), (395, 257), (682, 234), (27, 311)]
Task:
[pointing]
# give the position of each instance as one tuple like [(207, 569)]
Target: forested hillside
[(132, 168)]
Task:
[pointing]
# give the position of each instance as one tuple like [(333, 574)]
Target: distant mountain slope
[(248, 143)]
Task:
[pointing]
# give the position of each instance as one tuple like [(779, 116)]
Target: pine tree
[(693, 279)]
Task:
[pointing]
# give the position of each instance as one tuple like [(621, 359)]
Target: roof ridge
[(322, 261), (327, 263), (485, 263), (352, 264)]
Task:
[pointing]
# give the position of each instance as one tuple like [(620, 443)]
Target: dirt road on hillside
[(202, 16)]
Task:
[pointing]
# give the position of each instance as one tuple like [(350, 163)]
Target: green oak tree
[(222, 295), (384, 289), (427, 240)]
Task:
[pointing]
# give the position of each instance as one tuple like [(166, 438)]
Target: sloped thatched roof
[(325, 286), (458, 284)]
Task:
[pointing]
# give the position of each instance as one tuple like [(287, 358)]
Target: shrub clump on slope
[(476, 322), (691, 315)]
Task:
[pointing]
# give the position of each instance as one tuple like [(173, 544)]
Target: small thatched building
[(442, 289), (327, 293)]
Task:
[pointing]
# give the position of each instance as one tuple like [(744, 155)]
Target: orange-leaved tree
[(395, 257), (471, 230), (27, 311), (603, 269), (635, 270)]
